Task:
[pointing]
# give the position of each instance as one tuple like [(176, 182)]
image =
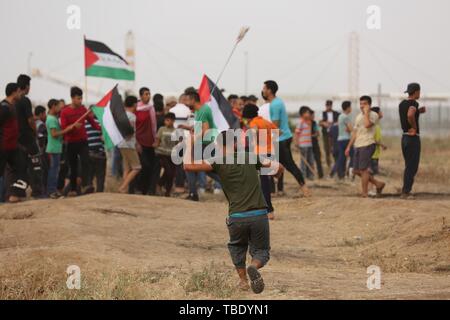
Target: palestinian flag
[(224, 117), (111, 114), (101, 61)]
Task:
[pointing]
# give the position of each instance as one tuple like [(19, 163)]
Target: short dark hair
[(250, 111), (23, 81), (170, 115), (130, 101), (346, 105), (52, 102), (39, 110), (304, 110), (375, 109), (244, 98), (143, 90), (11, 88), (366, 98), (272, 86), (158, 98), (232, 97), (329, 103), (76, 92), (193, 95), (190, 89)]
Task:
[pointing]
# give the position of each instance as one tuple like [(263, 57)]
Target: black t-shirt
[(403, 110), (24, 112)]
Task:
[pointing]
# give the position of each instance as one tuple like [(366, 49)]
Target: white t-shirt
[(182, 114), (365, 137), (330, 117), (264, 111)]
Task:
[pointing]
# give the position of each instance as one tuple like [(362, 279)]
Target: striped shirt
[(304, 133), (95, 141)]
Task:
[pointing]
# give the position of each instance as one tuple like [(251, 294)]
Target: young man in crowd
[(40, 116), (54, 146), (164, 145), (76, 139), (261, 127), (378, 140), (316, 146), (146, 128), (280, 118), (410, 112), (237, 106), (363, 139), (205, 133), (9, 147), (182, 122), (29, 149), (329, 117), (131, 163), (303, 140), (247, 222), (97, 157), (345, 131)]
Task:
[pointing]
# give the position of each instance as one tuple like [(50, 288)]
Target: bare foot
[(14, 199), (381, 188), (123, 190), (306, 191)]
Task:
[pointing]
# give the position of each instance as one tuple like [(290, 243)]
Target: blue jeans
[(53, 170), (342, 159), (307, 156)]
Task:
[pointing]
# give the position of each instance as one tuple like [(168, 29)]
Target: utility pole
[(353, 66), (379, 95), (130, 57)]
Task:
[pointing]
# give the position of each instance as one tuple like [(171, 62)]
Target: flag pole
[(240, 37), (85, 76)]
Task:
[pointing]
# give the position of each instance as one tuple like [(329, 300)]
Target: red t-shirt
[(9, 127), (144, 129), (70, 115)]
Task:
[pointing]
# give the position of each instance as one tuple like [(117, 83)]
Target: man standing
[(77, 140), (9, 148), (280, 118), (411, 146), (363, 138), (329, 117), (28, 147), (345, 131), (145, 136)]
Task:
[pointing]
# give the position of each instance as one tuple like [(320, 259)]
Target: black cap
[(412, 87)]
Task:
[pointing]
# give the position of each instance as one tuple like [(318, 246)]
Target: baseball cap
[(412, 87)]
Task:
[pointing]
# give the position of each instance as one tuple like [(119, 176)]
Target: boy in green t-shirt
[(248, 223), (54, 145)]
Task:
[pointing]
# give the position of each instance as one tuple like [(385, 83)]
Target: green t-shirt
[(204, 114), (241, 184), (54, 145), (166, 144)]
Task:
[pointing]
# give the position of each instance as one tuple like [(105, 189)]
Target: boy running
[(363, 138), (248, 223)]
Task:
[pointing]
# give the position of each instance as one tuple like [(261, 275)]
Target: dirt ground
[(135, 247)]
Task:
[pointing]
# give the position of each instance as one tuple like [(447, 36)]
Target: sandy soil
[(156, 248)]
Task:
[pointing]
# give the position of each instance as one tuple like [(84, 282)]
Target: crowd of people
[(59, 151)]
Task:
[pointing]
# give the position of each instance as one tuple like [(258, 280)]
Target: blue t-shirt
[(278, 113)]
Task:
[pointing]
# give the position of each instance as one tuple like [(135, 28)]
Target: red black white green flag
[(101, 61)]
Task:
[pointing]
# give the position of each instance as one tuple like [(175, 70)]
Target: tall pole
[(379, 94), (353, 66)]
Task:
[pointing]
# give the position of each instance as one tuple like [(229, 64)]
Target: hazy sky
[(301, 44)]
